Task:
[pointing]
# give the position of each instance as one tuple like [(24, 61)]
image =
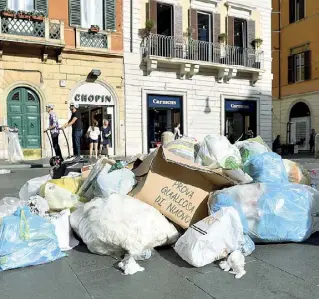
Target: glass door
[(109, 115)]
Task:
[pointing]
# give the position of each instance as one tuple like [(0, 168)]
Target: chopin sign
[(92, 94)]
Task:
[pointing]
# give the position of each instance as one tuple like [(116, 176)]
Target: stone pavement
[(273, 271)]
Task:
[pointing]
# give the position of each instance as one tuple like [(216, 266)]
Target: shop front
[(97, 103), (240, 119), (163, 113)]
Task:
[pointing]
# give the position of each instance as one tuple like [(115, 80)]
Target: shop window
[(27, 5), (85, 13), (296, 10), (299, 67)]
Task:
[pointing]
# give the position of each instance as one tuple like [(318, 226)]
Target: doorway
[(23, 106)]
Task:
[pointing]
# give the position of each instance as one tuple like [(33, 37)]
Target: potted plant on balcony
[(256, 43), (222, 39), (37, 16), (144, 34), (192, 50), (8, 13), (23, 15), (94, 29)]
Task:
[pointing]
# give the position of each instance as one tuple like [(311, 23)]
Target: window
[(27, 5), (240, 33), (91, 13), (204, 23), (164, 19), (299, 67), (296, 10)]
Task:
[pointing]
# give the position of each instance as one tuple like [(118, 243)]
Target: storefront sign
[(169, 102), (92, 94), (237, 106)]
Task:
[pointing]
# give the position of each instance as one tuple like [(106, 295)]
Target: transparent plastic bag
[(272, 212), (15, 153), (27, 240), (296, 173), (249, 149), (185, 147), (32, 187), (9, 205)]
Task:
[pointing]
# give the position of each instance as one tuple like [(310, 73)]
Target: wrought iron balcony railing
[(194, 50), (88, 40), (46, 32)]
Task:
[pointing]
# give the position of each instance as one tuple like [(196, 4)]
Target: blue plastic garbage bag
[(266, 168), (272, 212), (27, 240)]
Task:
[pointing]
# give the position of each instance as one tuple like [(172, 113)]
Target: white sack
[(15, 153), (212, 238), (217, 152), (32, 187), (121, 223)]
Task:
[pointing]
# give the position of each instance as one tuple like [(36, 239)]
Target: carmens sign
[(240, 106), (161, 101)]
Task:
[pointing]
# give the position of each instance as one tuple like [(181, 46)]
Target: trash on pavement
[(185, 147), (236, 262), (9, 205), (71, 184), (177, 187), (15, 153), (272, 212), (32, 187), (212, 238), (38, 205), (217, 152), (266, 168), (249, 149), (121, 224), (5, 171), (27, 240), (129, 265), (296, 173)]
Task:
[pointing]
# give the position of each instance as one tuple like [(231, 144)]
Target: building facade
[(295, 84), (60, 59), (205, 65)]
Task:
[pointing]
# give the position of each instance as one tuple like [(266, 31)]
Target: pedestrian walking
[(105, 137), (93, 134), (54, 130), (76, 123), (312, 141)]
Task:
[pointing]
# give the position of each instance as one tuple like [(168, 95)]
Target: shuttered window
[(296, 10), (100, 12), (230, 30), (27, 5), (299, 67)]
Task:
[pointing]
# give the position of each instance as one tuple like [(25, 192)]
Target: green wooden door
[(24, 113)]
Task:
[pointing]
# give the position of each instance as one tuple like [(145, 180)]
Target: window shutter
[(301, 9), (3, 4), (178, 22), (42, 5), (153, 14), (75, 12), (251, 33), (307, 65), (292, 11), (230, 30), (110, 15), (193, 23), (291, 69), (216, 27)]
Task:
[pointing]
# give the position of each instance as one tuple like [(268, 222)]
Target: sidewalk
[(42, 163)]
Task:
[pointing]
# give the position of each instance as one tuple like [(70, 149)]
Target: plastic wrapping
[(121, 223), (266, 168), (15, 153), (249, 149), (212, 238), (9, 205), (296, 173), (184, 147), (27, 240), (272, 212), (32, 187), (217, 152)]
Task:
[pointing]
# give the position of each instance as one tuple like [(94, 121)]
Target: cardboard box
[(178, 188)]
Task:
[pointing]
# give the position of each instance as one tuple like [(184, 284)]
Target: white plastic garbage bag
[(249, 149), (121, 223), (9, 205), (217, 152), (38, 205), (63, 230), (15, 153), (119, 181), (32, 187), (212, 238)]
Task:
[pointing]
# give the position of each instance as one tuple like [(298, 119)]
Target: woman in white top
[(177, 131), (93, 134)]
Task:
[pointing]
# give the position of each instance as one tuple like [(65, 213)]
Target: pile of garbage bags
[(211, 200)]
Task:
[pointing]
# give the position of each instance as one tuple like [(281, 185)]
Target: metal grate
[(93, 40), (22, 27), (55, 31)]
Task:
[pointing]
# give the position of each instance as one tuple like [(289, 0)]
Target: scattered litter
[(130, 266), (236, 262), (5, 171), (15, 153)]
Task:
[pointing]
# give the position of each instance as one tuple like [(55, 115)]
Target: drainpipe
[(279, 71), (131, 26)]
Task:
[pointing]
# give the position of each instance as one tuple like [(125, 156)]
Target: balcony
[(191, 55), (89, 41), (49, 33)]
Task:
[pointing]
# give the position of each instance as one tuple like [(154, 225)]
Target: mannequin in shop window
[(105, 137), (177, 131), (93, 134)]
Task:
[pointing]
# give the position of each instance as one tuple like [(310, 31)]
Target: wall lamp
[(95, 73)]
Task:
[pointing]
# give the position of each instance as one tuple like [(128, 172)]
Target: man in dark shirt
[(76, 123)]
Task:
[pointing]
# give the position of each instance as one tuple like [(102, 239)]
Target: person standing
[(93, 134), (76, 123), (54, 130), (105, 136), (312, 141), (177, 131)]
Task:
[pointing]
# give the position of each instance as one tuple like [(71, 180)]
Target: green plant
[(37, 13), (256, 43), (9, 11), (222, 38), (24, 12), (146, 31), (95, 26)]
